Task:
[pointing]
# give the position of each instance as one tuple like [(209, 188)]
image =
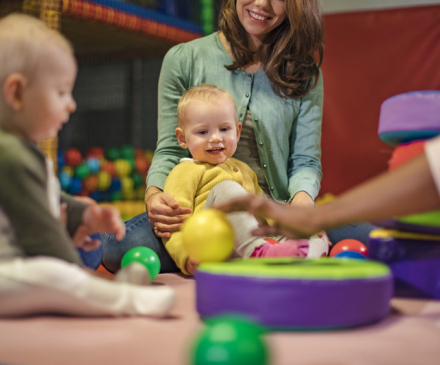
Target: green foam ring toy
[(144, 255), (230, 340)]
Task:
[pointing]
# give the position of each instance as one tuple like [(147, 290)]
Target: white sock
[(135, 273)]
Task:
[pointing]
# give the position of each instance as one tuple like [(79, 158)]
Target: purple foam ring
[(295, 303), (414, 264), (401, 226), (414, 111)]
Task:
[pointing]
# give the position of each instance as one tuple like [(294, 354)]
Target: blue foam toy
[(350, 255)]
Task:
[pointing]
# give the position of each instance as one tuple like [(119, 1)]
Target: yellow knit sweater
[(190, 183)]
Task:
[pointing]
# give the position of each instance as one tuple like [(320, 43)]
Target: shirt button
[(235, 169), (271, 188), (264, 165), (261, 143), (250, 77), (256, 120), (247, 95)]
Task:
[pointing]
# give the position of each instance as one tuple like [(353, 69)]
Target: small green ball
[(144, 255), (230, 341)]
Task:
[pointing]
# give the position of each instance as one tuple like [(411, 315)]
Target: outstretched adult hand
[(290, 221)]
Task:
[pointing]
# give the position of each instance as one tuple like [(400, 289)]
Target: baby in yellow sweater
[(208, 126)]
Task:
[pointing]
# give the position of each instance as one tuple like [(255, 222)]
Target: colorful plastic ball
[(127, 184), (128, 195), (146, 256), (65, 180), (115, 185), (82, 171), (90, 183), (141, 165), (404, 153), (95, 196), (93, 164), (208, 236), (61, 161), (112, 154), (115, 196), (349, 245), (68, 170), (350, 255), (127, 152), (104, 180), (95, 152), (109, 166), (123, 167), (72, 157), (227, 342), (149, 155), (137, 180), (75, 186)]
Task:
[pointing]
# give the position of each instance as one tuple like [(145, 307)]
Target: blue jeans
[(140, 233)]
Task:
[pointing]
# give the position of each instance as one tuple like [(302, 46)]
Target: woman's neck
[(252, 67)]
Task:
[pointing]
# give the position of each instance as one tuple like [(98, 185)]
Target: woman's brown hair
[(288, 52)]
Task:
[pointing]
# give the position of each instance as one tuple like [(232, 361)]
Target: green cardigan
[(287, 132)]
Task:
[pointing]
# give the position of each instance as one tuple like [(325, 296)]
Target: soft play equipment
[(410, 116), (414, 260), (407, 120), (297, 294)]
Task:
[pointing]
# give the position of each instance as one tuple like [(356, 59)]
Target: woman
[(264, 55)]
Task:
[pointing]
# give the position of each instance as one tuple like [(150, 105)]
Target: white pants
[(49, 285)]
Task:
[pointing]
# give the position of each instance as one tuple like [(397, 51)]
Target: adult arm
[(407, 190), (304, 166), (163, 211)]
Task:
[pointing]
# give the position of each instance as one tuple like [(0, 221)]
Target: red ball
[(349, 245), (73, 157), (404, 153), (96, 152)]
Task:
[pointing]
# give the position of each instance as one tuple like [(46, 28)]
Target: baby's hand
[(191, 266), (104, 219)]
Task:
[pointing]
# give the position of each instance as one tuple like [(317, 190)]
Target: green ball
[(127, 152), (112, 154), (144, 255), (82, 171), (230, 342)]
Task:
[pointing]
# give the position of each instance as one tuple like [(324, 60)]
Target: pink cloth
[(289, 248)]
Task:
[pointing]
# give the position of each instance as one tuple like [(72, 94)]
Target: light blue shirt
[(287, 131)]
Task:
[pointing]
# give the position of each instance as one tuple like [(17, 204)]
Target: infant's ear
[(13, 89), (181, 138)]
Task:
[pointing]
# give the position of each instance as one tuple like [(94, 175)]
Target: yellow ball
[(208, 236)]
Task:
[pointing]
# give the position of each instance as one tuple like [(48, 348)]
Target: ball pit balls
[(112, 154), (95, 152), (75, 186), (229, 341), (127, 152), (90, 183), (208, 236), (145, 256), (109, 167), (104, 180), (93, 164), (68, 170), (72, 157), (350, 255), (349, 245), (82, 171), (123, 167), (65, 180)]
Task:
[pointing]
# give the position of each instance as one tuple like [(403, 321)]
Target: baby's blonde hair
[(204, 92), (24, 40)]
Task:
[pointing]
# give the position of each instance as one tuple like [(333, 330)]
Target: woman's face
[(259, 17)]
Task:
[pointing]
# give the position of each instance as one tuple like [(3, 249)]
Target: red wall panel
[(370, 56)]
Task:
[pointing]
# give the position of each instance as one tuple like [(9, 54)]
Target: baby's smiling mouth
[(216, 150)]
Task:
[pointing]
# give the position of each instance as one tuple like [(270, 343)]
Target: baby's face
[(211, 132), (48, 100)]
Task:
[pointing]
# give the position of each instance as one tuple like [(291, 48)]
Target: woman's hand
[(164, 213), (290, 221), (302, 199)]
